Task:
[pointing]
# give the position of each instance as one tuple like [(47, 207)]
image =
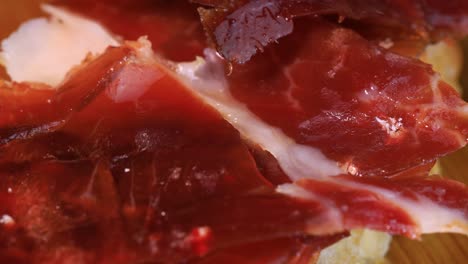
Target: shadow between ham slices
[(144, 170)]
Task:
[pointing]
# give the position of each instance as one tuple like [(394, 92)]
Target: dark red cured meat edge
[(239, 29)]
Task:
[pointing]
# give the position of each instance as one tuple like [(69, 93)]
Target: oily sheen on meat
[(241, 28)]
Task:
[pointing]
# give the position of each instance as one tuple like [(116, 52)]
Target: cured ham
[(241, 28), (408, 195), (176, 179), (149, 172), (340, 94), (136, 157)]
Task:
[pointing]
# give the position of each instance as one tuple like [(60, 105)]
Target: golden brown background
[(437, 248)]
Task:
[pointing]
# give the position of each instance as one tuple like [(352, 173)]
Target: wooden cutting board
[(432, 249)]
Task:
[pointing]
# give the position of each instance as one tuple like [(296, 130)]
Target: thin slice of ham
[(372, 111), (356, 201), (239, 29)]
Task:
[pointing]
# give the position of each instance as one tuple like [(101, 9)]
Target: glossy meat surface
[(361, 105), (240, 29)]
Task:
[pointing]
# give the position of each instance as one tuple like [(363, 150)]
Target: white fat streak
[(429, 216), (437, 96), (298, 161), (44, 50)]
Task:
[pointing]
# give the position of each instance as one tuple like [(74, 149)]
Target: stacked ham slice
[(267, 151)]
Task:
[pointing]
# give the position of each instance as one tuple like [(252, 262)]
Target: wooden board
[(432, 249)]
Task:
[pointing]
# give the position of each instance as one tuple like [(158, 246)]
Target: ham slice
[(376, 203), (241, 28), (355, 103)]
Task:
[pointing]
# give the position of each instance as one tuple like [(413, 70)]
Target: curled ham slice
[(241, 28)]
